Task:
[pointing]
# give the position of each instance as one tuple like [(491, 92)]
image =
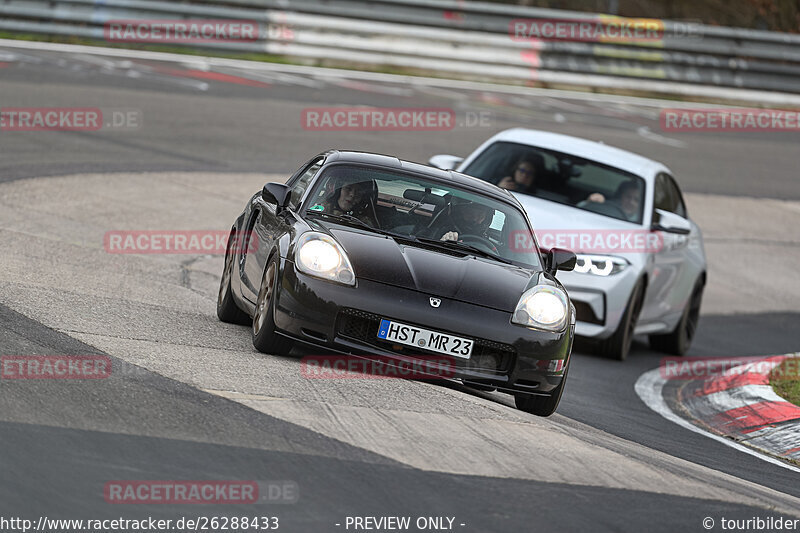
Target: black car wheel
[(619, 344), (227, 310), (265, 338), (678, 341), (542, 405)]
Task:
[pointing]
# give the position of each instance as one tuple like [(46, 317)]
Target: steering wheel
[(616, 208), (606, 208), (477, 239)]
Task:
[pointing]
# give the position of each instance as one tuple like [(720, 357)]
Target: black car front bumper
[(338, 319)]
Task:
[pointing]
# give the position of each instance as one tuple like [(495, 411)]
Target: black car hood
[(469, 279)]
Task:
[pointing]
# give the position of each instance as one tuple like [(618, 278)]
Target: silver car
[(641, 264)]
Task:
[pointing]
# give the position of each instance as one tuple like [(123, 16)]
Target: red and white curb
[(733, 404), (741, 404)]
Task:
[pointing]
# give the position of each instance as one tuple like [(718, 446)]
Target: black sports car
[(369, 256)]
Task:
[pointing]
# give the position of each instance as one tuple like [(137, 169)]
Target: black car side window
[(302, 182)]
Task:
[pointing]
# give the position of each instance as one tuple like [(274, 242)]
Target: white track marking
[(649, 387), (286, 79), (645, 132)]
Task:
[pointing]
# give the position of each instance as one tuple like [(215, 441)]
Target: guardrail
[(458, 38)]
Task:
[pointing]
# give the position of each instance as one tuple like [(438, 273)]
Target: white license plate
[(425, 339)]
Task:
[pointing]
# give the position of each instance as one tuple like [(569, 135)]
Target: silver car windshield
[(431, 212), (562, 178)]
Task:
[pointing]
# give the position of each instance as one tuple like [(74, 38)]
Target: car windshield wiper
[(466, 247), (355, 221), (411, 238)]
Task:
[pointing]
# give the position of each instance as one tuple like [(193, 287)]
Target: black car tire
[(265, 338), (227, 310), (618, 345), (542, 405), (680, 339)]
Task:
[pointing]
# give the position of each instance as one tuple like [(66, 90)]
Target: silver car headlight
[(321, 256), (542, 307), (599, 265)]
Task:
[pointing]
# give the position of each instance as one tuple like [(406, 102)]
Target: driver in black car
[(466, 218), (349, 197)]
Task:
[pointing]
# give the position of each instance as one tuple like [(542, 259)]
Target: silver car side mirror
[(670, 223), (445, 162)]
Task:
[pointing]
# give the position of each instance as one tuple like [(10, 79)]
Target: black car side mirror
[(276, 193), (560, 259)]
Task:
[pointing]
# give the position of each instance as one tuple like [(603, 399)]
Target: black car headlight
[(321, 256), (542, 307)]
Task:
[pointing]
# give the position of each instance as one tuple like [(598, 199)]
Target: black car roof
[(467, 182)]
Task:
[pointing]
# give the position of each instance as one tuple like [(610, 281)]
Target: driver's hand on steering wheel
[(450, 236), (597, 197)]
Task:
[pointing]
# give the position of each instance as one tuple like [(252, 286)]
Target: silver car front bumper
[(600, 302)]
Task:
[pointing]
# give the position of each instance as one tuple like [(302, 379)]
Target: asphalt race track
[(190, 398)]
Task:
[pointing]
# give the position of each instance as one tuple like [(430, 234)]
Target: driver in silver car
[(627, 198)]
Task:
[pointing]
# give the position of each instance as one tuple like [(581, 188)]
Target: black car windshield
[(424, 211), (562, 178)]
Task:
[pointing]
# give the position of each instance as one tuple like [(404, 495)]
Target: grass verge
[(785, 379)]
